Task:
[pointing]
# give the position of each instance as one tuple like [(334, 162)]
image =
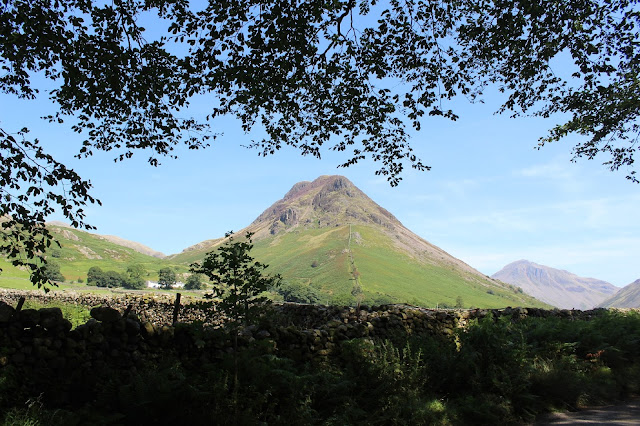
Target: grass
[(293, 255), (76, 314), (384, 269), (385, 272)]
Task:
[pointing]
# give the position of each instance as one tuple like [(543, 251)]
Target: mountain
[(80, 250), (556, 287), (140, 248), (329, 236), (627, 297)]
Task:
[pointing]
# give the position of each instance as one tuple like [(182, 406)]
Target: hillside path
[(625, 413)]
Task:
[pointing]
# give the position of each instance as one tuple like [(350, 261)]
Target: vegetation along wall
[(127, 334)]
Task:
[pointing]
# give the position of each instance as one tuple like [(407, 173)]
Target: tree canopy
[(342, 75), (166, 278)]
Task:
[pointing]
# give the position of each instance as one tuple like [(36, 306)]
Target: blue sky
[(491, 198)]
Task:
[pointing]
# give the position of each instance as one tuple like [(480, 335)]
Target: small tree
[(95, 276), (52, 271), (459, 302), (135, 275), (166, 278), (237, 279), (194, 282), (238, 282)]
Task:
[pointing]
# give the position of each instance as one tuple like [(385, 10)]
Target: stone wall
[(154, 308), (31, 336), (129, 331)]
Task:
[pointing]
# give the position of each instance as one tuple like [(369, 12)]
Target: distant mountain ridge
[(556, 287), (627, 297), (139, 247)]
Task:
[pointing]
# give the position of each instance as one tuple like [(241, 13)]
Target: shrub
[(52, 271), (194, 282), (299, 293)]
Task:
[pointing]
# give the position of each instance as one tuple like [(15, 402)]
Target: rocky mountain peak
[(297, 189), (328, 201), (557, 287)]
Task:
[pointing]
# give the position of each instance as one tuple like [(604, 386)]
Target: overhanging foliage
[(340, 75)]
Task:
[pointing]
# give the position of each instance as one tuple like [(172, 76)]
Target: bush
[(298, 293), (52, 271), (194, 282), (110, 279)]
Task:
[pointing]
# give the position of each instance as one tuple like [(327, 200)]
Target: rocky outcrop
[(289, 217)]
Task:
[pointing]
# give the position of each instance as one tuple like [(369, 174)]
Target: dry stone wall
[(125, 333)]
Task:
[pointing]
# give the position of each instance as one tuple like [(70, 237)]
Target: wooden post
[(176, 308), (20, 303)]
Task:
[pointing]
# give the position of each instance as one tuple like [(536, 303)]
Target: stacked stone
[(43, 349)]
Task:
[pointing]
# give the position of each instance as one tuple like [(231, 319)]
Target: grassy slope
[(383, 269), (74, 264), (75, 259), (386, 270), (12, 277), (292, 255)]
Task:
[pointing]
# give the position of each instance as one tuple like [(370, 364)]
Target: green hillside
[(80, 251), (315, 257), (321, 258), (12, 277)]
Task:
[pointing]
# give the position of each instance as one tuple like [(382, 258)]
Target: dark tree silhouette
[(346, 75)]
